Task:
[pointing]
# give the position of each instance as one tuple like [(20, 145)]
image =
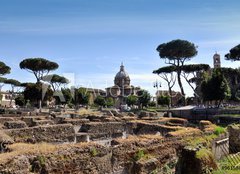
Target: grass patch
[(185, 132), (41, 149), (204, 154), (219, 130), (94, 152), (84, 112), (228, 115), (200, 140), (42, 160), (224, 167), (207, 159), (155, 109), (140, 154)]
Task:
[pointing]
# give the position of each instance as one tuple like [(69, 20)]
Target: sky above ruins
[(90, 38)]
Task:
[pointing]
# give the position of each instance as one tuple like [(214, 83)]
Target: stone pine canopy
[(122, 78)]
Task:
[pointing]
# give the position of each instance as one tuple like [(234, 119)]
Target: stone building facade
[(122, 88), (7, 99)]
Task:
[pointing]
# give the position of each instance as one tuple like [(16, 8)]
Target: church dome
[(122, 78)]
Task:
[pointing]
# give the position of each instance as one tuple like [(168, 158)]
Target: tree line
[(52, 86), (208, 84)]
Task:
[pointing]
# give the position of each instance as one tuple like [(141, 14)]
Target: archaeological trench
[(109, 142)]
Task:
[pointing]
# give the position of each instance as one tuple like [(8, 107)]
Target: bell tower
[(216, 60)]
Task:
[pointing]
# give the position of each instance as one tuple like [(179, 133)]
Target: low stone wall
[(42, 122), (76, 121), (29, 120), (15, 124), (4, 119), (226, 119), (234, 138), (52, 133), (160, 152), (103, 127), (90, 158), (189, 163), (150, 128)]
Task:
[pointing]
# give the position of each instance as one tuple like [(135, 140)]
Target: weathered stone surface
[(151, 128), (30, 119), (4, 138), (189, 163), (176, 122), (76, 121), (147, 114), (18, 165), (119, 115), (15, 124), (51, 133), (144, 166), (88, 158), (115, 112), (42, 122), (156, 153), (131, 114), (143, 114), (108, 113), (103, 127), (234, 138), (152, 114), (4, 119), (77, 159), (59, 119), (204, 124), (95, 117), (82, 137)]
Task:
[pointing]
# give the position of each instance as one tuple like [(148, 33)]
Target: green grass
[(42, 160), (229, 115), (94, 152), (225, 163), (204, 154), (219, 130), (200, 140), (155, 109), (140, 154)]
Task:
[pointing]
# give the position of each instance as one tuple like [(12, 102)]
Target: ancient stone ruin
[(109, 142)]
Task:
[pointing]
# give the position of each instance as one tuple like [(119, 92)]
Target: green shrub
[(70, 105), (152, 104), (140, 154), (94, 152), (219, 130), (11, 112), (2, 111), (100, 100), (42, 160), (163, 100), (204, 154)]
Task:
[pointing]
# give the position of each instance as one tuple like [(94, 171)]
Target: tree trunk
[(219, 103), (170, 93), (40, 105), (12, 93), (181, 86)]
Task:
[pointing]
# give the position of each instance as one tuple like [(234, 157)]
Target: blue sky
[(90, 38)]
